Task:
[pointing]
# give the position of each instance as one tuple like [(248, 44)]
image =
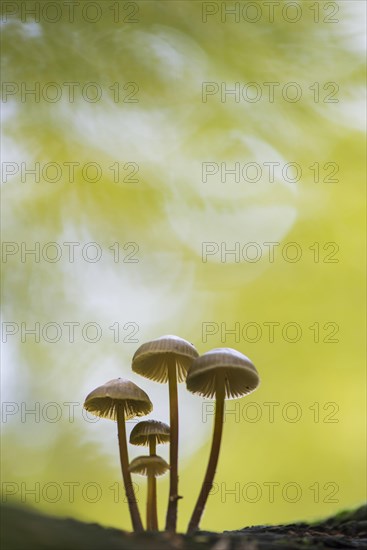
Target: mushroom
[(167, 359), (220, 373), (121, 400), (151, 433), (150, 466)]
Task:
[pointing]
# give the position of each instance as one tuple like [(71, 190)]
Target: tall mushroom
[(151, 433), (121, 400), (167, 359), (220, 373), (150, 466)]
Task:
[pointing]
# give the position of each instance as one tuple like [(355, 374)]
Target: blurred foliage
[(169, 53)]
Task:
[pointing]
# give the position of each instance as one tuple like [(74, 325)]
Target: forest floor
[(25, 529)]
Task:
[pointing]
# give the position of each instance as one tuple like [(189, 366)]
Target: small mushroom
[(220, 373), (167, 359), (121, 400), (150, 433), (150, 466)]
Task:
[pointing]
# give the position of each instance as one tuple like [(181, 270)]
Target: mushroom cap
[(153, 358), (145, 465), (238, 372), (144, 430), (104, 400)]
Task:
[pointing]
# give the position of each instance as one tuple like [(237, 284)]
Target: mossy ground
[(24, 529)]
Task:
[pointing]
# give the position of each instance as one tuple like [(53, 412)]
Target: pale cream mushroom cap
[(153, 358), (145, 465), (238, 372), (144, 430), (104, 400)]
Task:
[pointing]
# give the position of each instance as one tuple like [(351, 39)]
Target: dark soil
[(24, 529)]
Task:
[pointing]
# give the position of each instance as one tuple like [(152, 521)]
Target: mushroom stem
[(171, 517), (152, 445), (152, 524), (124, 459), (213, 458), (152, 518)]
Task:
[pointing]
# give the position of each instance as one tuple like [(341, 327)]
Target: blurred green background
[(311, 452)]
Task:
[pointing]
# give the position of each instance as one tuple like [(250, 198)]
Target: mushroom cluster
[(221, 373)]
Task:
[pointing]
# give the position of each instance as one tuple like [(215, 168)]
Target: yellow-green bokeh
[(170, 212)]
